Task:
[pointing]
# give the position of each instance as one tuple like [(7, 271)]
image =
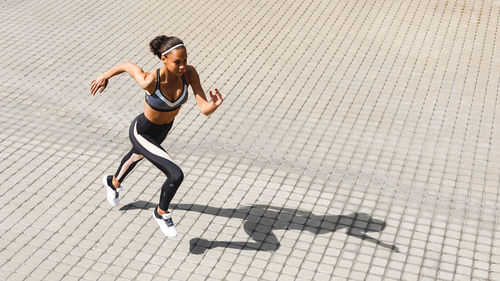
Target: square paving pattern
[(358, 140)]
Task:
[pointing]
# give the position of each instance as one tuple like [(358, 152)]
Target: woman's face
[(176, 61)]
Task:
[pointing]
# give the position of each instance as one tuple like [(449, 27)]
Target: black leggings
[(146, 138)]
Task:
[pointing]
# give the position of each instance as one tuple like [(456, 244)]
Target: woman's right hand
[(98, 85)]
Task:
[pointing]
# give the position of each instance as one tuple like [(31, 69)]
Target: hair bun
[(155, 44), (162, 43)]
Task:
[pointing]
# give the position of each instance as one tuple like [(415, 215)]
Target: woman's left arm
[(206, 107)]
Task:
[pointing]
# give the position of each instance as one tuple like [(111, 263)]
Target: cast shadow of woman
[(261, 220)]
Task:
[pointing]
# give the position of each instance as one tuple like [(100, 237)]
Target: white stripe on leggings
[(150, 147), (133, 158)]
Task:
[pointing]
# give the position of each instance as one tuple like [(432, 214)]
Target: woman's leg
[(151, 150), (113, 183), (128, 163)]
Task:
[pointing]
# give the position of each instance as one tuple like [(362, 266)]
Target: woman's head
[(171, 51)]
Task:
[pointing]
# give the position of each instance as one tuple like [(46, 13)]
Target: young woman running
[(166, 91)]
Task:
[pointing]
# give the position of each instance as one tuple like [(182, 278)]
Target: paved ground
[(358, 140)]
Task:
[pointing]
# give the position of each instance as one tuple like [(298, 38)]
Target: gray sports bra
[(159, 102)]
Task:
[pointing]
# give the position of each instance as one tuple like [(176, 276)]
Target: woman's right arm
[(142, 78)]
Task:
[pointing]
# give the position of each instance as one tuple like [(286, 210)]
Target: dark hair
[(162, 43)]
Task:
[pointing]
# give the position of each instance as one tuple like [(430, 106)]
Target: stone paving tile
[(358, 140)]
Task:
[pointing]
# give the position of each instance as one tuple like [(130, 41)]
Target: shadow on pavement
[(261, 220)]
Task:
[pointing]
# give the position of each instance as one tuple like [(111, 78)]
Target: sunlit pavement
[(358, 140)]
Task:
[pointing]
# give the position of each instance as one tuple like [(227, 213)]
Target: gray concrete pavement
[(358, 140)]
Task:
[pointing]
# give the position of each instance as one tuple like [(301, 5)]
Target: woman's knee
[(176, 176)]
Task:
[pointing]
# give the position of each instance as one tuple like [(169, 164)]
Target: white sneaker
[(111, 191), (166, 224)]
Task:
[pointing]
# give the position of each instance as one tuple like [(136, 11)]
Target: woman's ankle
[(115, 182), (160, 211)]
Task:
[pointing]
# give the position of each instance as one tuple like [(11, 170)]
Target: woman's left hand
[(216, 98)]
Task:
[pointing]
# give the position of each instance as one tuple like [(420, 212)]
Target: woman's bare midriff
[(159, 118)]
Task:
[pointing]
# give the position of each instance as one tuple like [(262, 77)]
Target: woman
[(166, 91)]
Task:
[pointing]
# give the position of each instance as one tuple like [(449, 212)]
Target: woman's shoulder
[(191, 73), (190, 70), (150, 80), (151, 75)]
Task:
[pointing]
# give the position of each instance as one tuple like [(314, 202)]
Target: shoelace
[(169, 222)]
